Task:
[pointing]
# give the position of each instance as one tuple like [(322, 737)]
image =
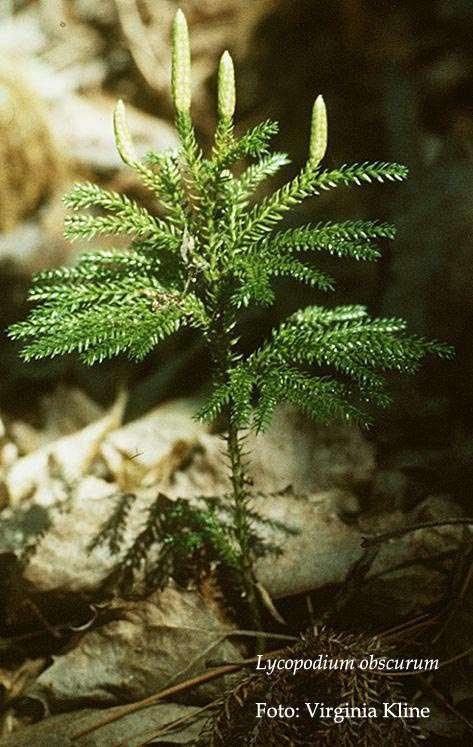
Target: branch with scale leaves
[(348, 239), (308, 183)]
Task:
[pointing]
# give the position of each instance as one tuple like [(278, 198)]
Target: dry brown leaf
[(70, 457), (132, 730), (145, 650)]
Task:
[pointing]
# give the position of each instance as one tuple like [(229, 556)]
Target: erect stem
[(222, 347), (241, 516)]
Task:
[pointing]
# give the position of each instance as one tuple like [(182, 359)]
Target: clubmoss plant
[(213, 251)]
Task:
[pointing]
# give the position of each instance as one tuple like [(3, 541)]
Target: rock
[(167, 450), (319, 554), (150, 645), (293, 452), (398, 595), (202, 471), (418, 545), (19, 526), (63, 412), (437, 508), (325, 549), (21, 243), (322, 551), (8, 455), (26, 438), (403, 580), (69, 536), (150, 439)]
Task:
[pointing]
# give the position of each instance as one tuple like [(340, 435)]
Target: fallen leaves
[(87, 459), (151, 644), (132, 730)]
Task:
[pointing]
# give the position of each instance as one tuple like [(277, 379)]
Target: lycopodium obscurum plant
[(212, 252)]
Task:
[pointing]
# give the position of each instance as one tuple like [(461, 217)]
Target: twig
[(268, 603), (430, 561), (377, 539), (171, 725), (419, 622), (442, 700), (411, 673), (354, 580), (219, 640), (457, 657), (310, 610), (462, 578)]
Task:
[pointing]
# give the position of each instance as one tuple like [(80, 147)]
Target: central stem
[(241, 516), (222, 346)]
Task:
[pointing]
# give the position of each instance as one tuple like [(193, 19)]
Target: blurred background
[(398, 82)]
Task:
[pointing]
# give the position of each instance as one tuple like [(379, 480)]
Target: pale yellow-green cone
[(181, 64), (123, 139), (226, 87), (318, 131)]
